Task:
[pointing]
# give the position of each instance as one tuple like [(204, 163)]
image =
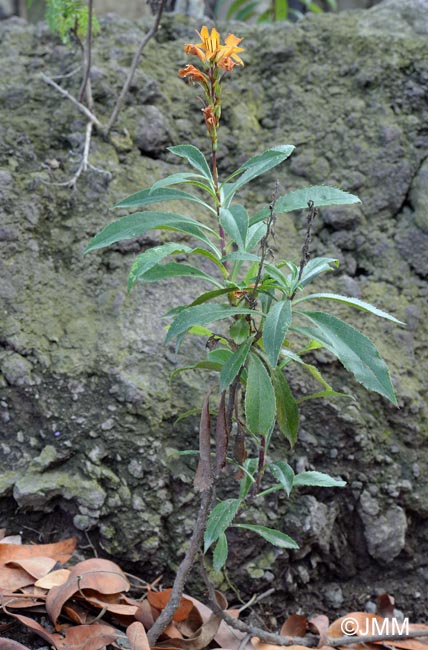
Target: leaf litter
[(87, 606)]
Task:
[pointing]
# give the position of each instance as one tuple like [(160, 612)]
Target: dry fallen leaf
[(53, 579), (96, 574), (37, 567), (295, 625), (9, 644), (59, 551), (137, 636), (159, 600)]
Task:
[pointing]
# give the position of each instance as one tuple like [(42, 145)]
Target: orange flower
[(210, 42), (193, 73), (210, 49), (210, 118), (229, 50)]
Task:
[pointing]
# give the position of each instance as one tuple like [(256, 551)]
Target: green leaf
[(220, 553), (247, 481), (214, 258), (234, 364), (195, 157), (298, 200), (176, 270), (276, 325), (315, 267), (241, 257), (201, 315), (220, 518), (259, 398), (240, 330), (234, 7), (149, 196), (352, 302), (176, 179), (278, 275), (258, 165), (284, 474), (271, 535), (134, 225), (281, 10), (209, 295), (316, 479), (235, 223), (151, 257), (287, 410), (254, 235), (354, 350)]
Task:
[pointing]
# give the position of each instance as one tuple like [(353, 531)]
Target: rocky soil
[(87, 406)]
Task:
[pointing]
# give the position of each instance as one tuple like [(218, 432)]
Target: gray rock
[(384, 531), (153, 133)]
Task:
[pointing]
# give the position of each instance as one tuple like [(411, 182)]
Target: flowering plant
[(262, 305)]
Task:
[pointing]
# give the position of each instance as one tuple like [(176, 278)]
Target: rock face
[(87, 407)]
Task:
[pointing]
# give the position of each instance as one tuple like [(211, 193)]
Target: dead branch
[(133, 68), (81, 107), (183, 570), (263, 635)]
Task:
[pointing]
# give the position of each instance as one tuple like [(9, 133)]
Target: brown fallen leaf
[(226, 636), (144, 613), (201, 639), (80, 637), (295, 625), (53, 579), (59, 551), (385, 606), (159, 600), (137, 636), (319, 625), (96, 574), (37, 567), (13, 578)]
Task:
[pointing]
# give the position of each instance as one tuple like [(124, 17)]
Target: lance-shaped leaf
[(284, 474), (298, 200), (201, 315), (220, 518), (195, 157), (316, 479), (255, 234), (275, 327), (176, 270), (203, 477), (315, 267), (134, 225), (354, 350), (151, 257), (352, 302), (150, 196), (183, 179), (249, 468), (259, 398), (271, 535), (234, 364), (235, 223), (220, 553), (287, 411), (258, 165), (221, 435)]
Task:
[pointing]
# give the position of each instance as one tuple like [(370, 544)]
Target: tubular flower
[(210, 119), (211, 51), (193, 73), (230, 50), (210, 42)]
